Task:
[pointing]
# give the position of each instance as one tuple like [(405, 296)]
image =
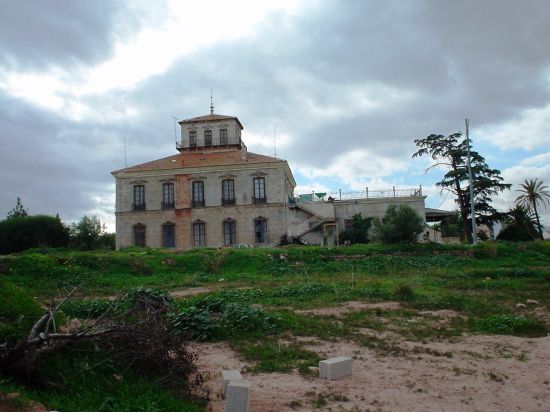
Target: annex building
[(214, 193)]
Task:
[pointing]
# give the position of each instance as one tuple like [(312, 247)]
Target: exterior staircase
[(319, 212)]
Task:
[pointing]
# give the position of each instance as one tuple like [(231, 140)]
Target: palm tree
[(533, 192), (518, 225)]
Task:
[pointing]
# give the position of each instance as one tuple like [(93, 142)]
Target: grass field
[(262, 302)]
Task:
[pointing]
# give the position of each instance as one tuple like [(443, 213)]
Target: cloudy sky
[(347, 85)]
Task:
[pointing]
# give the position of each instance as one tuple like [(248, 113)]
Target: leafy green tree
[(518, 225), (359, 231), (24, 232), (87, 233), (18, 210), (533, 193), (451, 153), (400, 224)]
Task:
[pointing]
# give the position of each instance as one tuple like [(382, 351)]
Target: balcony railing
[(198, 203), (166, 205), (257, 200), (228, 202), (140, 207)]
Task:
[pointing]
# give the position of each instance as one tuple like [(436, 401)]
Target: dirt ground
[(468, 373)]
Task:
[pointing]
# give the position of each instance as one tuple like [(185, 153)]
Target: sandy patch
[(181, 293), (478, 373), (352, 306)]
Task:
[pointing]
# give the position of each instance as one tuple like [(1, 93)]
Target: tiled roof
[(210, 118), (201, 159)]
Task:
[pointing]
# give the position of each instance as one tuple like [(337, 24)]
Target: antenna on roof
[(275, 139), (175, 130), (211, 103)]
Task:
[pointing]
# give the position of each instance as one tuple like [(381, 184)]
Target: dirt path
[(485, 373)]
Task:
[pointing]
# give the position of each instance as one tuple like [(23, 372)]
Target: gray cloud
[(425, 66), (50, 33)]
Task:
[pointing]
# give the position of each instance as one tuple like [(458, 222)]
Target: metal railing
[(197, 203), (166, 205), (139, 207), (358, 194), (228, 202), (257, 200)]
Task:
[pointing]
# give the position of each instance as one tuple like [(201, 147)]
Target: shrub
[(213, 318), (400, 224), (403, 292), (510, 325), (18, 311), (25, 232), (359, 232)]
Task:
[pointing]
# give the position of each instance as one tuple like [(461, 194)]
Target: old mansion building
[(215, 193)]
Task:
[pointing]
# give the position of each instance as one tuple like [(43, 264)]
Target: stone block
[(335, 368), (237, 397), (229, 375)]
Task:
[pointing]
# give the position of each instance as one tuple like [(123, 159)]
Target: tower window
[(193, 138), (223, 137)]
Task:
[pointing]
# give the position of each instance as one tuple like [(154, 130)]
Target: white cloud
[(355, 168), (192, 25), (529, 130)]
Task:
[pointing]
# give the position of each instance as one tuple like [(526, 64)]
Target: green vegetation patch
[(18, 311), (275, 356), (510, 325)]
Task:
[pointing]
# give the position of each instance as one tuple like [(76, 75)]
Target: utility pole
[(472, 202)]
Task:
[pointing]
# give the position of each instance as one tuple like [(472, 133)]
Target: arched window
[(229, 232), (260, 230), (169, 235), (199, 233), (139, 235)]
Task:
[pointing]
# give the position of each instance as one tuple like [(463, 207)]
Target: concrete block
[(237, 397), (229, 375), (335, 368)]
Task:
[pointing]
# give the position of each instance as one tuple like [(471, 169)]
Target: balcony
[(259, 200), (228, 202), (197, 203), (167, 205), (140, 207)]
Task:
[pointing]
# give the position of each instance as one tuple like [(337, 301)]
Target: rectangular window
[(260, 230), (167, 196), (198, 194), (228, 192), (229, 233), (199, 234), (208, 137), (169, 235), (193, 138), (259, 190), (139, 197), (348, 224), (139, 235), (223, 137)]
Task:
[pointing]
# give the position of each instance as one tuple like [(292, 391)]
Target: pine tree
[(18, 210), (451, 152)]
